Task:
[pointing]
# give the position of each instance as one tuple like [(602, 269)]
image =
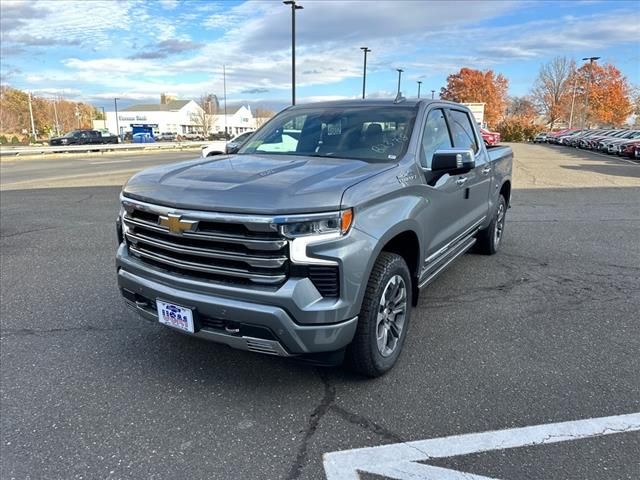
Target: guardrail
[(41, 150)]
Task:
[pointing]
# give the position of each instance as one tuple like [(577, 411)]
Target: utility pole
[(115, 103), (294, 7), (78, 115), (419, 85), (585, 123), (364, 70), (573, 100), (55, 115), (399, 70), (224, 89), (432, 93), (33, 126)]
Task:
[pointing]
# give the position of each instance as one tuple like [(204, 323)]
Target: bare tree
[(205, 118), (262, 115), (553, 88)]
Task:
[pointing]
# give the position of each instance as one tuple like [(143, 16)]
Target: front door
[(475, 184), (443, 219)]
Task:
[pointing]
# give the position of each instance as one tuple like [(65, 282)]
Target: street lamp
[(364, 71), (399, 70), (432, 92), (419, 85), (294, 7), (115, 103), (586, 110)]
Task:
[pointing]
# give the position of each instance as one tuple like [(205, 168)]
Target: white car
[(220, 147)]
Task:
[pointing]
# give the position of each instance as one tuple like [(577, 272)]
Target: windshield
[(379, 134)]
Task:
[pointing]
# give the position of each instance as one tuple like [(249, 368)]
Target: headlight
[(339, 222)]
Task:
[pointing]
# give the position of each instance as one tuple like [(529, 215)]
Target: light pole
[(432, 93), (364, 70), (55, 114), (399, 70), (419, 85), (115, 103), (33, 126), (573, 100), (294, 7), (224, 90), (586, 110)]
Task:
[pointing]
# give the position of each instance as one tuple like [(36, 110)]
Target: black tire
[(363, 354), (489, 239)]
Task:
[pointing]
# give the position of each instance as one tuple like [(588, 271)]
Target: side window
[(435, 137), (462, 131)]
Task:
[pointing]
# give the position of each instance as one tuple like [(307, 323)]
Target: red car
[(490, 138), (631, 149)]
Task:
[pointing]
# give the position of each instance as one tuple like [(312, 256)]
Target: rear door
[(475, 185)]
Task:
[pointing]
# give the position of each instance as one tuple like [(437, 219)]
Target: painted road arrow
[(398, 461)]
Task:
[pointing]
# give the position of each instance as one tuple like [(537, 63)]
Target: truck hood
[(266, 184)]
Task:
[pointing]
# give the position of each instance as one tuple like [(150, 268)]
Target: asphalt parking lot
[(546, 331)]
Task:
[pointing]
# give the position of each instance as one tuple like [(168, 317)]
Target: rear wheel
[(489, 239), (384, 318)]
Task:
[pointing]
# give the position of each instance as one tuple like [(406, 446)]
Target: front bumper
[(292, 320)]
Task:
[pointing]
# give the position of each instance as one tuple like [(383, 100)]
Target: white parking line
[(109, 161), (398, 460)]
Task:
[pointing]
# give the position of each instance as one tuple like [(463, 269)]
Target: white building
[(180, 117), (175, 116), (242, 120)]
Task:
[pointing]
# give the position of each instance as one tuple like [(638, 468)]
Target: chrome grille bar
[(256, 244), (254, 261), (198, 267)]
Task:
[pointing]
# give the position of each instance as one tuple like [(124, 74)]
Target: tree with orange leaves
[(475, 86), (608, 95)]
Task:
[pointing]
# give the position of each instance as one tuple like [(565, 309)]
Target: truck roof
[(386, 102)]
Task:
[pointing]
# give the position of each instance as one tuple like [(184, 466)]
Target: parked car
[(195, 137), (235, 143), (167, 137), (314, 243), (604, 143), (629, 149), (554, 137), (212, 149), (541, 137), (490, 138), (84, 137), (613, 146), (220, 147)]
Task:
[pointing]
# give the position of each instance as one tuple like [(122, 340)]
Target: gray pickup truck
[(316, 237)]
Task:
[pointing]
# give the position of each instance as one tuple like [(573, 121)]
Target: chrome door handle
[(486, 170), (462, 180)]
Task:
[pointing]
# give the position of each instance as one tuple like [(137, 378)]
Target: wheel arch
[(505, 191)]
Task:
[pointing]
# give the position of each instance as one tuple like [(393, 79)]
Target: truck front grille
[(217, 247)]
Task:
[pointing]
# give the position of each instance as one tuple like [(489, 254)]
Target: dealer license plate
[(175, 316)]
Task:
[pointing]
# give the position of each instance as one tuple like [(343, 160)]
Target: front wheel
[(489, 239), (384, 317)]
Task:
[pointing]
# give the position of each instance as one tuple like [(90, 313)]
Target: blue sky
[(94, 50)]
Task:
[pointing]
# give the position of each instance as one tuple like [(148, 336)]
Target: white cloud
[(427, 39)]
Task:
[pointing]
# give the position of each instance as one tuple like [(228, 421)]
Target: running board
[(462, 249)]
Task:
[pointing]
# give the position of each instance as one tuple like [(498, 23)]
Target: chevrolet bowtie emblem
[(175, 224)]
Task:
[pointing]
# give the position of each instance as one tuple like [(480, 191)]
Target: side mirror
[(231, 149), (455, 161)]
